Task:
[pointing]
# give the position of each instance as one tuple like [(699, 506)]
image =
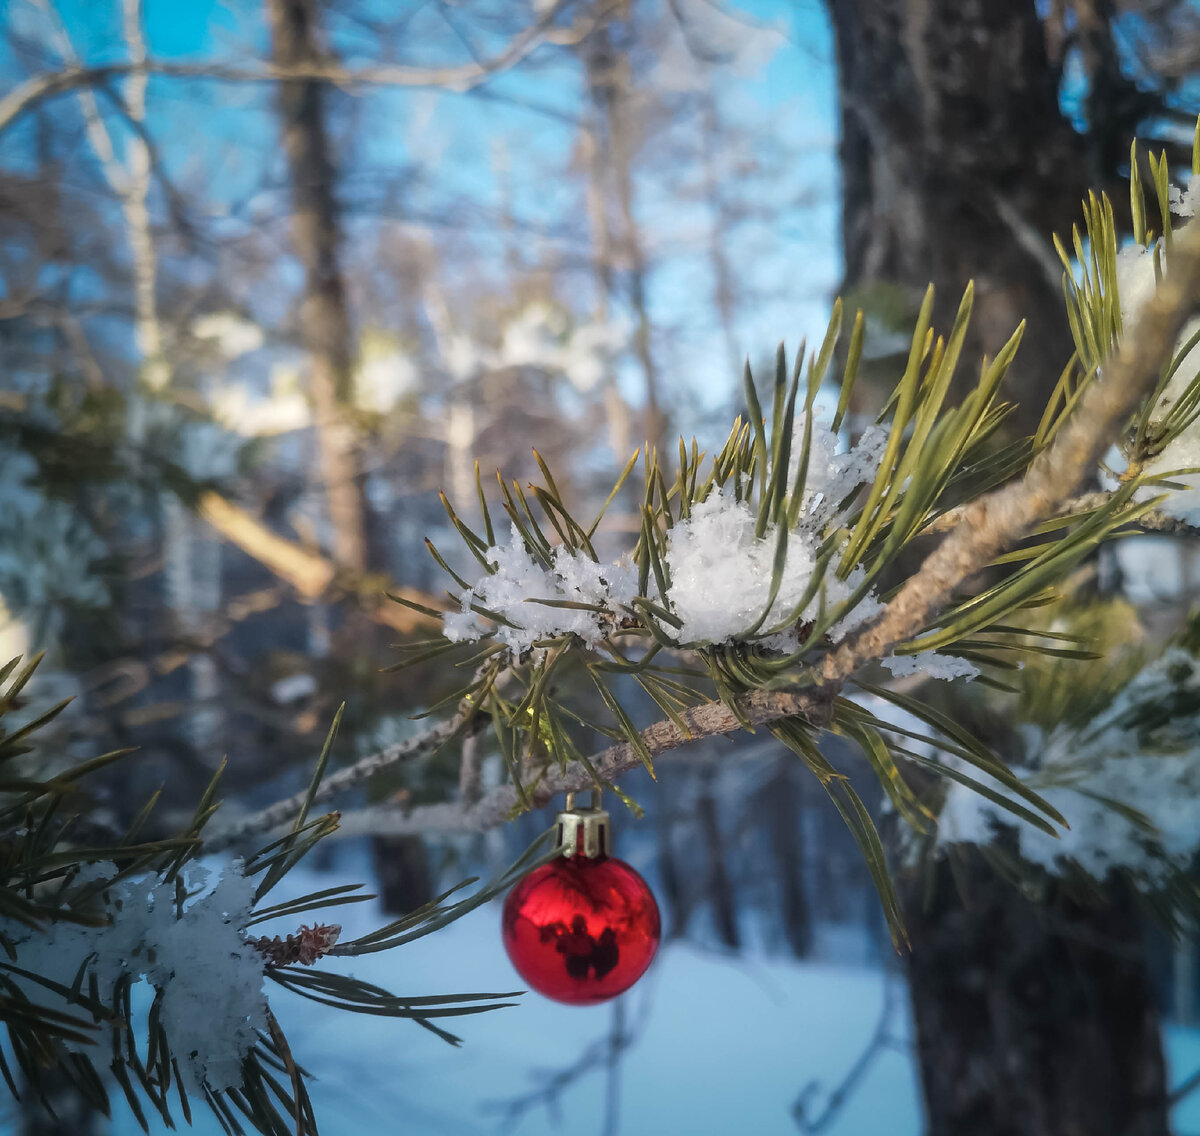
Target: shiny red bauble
[(581, 930)]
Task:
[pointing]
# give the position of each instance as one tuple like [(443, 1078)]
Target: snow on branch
[(998, 520), (984, 528), (209, 980), (1128, 780)]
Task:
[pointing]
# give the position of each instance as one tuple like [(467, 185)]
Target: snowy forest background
[(250, 326)]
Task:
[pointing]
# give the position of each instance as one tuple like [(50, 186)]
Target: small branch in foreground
[(285, 811), (760, 708)]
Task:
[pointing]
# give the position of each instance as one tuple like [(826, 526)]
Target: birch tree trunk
[(609, 78)]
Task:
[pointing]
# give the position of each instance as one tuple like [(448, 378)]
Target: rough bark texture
[(1029, 1020), (958, 165), (1032, 1020)]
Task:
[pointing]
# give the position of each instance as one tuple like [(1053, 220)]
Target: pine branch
[(283, 812), (983, 529), (1001, 518), (759, 708), (1155, 521)]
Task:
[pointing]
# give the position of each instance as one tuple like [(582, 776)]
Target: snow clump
[(1136, 281), (721, 575), (1139, 754), (932, 663), (719, 572), (211, 980), (519, 581)]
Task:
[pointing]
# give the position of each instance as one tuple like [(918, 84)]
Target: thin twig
[(835, 1100), (285, 811), (461, 78)]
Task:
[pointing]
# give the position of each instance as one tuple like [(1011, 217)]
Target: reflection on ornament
[(583, 928)]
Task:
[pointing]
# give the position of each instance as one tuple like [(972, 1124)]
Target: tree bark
[(957, 165), (316, 239), (609, 79), (784, 814), (402, 862), (1029, 1019), (1032, 1020)]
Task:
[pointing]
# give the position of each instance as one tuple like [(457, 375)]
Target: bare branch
[(460, 78), (760, 708), (285, 811), (312, 575)]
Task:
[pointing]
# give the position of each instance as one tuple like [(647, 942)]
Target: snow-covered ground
[(720, 1044)]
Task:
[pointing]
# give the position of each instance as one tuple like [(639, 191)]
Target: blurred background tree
[(970, 134)]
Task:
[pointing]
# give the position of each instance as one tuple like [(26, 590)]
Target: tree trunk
[(402, 862), (784, 808), (1032, 1020), (316, 239), (718, 889), (957, 163), (609, 80)]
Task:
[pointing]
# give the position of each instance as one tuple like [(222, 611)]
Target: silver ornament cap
[(584, 832)]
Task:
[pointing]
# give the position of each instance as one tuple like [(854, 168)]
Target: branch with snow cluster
[(729, 585)]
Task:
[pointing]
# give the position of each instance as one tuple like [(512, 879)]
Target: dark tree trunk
[(957, 164), (1032, 1020), (403, 863), (783, 807), (718, 888), (405, 878)]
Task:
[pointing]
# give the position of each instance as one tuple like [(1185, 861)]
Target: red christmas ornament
[(583, 928)]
